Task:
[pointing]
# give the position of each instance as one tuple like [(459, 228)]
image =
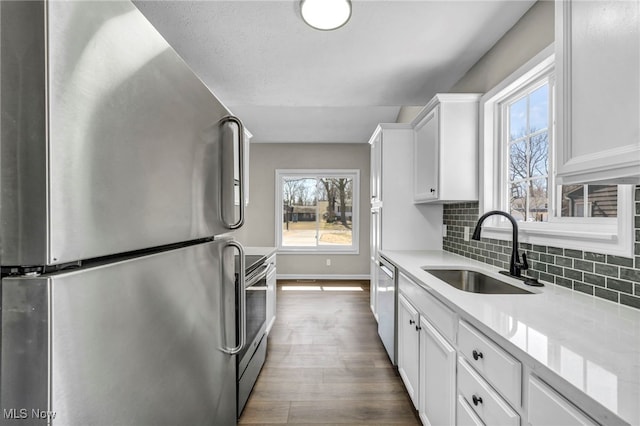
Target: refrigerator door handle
[(241, 182), (242, 306)]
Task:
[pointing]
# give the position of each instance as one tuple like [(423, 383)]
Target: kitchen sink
[(475, 282)]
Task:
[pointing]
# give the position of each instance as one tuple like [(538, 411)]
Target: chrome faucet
[(515, 267)]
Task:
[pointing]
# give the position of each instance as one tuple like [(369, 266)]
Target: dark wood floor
[(326, 365)]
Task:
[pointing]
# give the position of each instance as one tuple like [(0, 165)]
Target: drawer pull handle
[(411, 322), (477, 355), (476, 400)]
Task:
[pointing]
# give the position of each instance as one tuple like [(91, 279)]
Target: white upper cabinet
[(376, 168), (397, 224), (598, 91), (446, 149), (426, 152)]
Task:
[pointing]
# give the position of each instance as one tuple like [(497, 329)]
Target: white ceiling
[(291, 83)]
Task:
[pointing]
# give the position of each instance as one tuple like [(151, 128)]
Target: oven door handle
[(257, 276), (270, 268), (242, 305)]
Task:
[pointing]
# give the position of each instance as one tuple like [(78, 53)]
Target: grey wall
[(408, 113), (532, 33), (259, 229)]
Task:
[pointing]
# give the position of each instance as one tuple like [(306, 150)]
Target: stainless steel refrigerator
[(116, 207)]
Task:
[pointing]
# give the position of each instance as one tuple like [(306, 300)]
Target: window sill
[(306, 250)]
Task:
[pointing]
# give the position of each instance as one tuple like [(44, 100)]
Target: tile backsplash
[(613, 278)]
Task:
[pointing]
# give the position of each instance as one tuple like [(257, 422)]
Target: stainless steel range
[(252, 356)]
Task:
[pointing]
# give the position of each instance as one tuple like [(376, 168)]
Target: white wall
[(259, 229)]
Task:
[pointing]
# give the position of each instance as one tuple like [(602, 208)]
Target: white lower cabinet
[(408, 347), (271, 293), (484, 401), (456, 375), (548, 408), (465, 414), (437, 392), (373, 288), (496, 366), (426, 358)]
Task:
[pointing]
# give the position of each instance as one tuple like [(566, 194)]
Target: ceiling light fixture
[(325, 15)]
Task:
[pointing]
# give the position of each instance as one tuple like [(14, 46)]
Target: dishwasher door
[(387, 294)]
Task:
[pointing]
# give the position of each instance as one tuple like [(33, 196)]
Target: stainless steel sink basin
[(475, 282)]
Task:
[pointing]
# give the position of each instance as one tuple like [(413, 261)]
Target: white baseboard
[(323, 277)]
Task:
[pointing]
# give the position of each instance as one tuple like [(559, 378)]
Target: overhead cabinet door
[(598, 96), (426, 157)]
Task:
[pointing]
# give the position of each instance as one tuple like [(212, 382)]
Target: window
[(517, 119), (526, 121), (526, 140), (317, 211)]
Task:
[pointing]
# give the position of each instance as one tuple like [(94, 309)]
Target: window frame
[(354, 248), (602, 235)]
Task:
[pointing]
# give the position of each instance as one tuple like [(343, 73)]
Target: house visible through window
[(317, 210), (589, 201)]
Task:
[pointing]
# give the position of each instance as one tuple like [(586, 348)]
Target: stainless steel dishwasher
[(387, 298)]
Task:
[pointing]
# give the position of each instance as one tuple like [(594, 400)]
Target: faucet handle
[(525, 264)]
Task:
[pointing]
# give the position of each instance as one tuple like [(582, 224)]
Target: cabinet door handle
[(418, 328), (476, 400), (411, 322), (477, 355), (432, 190)]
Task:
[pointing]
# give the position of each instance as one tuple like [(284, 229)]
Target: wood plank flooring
[(326, 364)]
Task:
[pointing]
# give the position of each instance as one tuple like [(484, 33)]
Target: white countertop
[(586, 347), (260, 251)]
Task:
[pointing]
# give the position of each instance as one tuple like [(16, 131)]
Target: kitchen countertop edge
[(553, 313), (259, 251)]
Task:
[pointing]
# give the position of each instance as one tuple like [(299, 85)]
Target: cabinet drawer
[(547, 407), (498, 367), (465, 414), (443, 318), (484, 401)]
